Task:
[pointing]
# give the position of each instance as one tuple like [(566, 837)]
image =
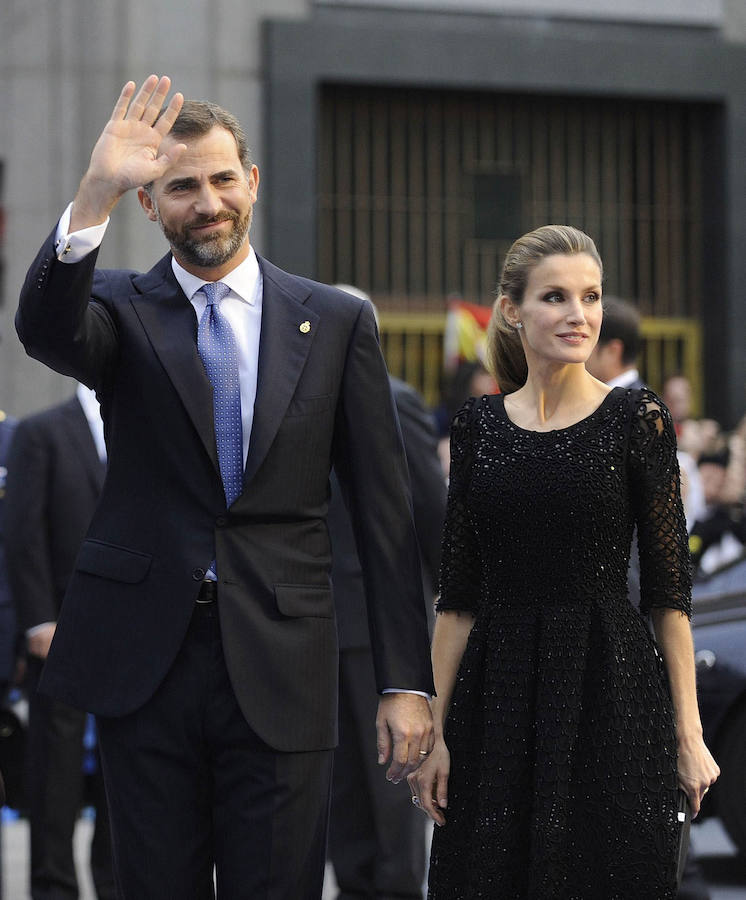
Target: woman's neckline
[(591, 415)]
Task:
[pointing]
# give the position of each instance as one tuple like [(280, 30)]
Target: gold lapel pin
[(305, 327)]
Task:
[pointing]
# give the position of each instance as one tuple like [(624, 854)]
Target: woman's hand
[(697, 770), (429, 784)]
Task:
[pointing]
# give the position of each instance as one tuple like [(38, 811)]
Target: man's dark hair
[(197, 117), (621, 322)]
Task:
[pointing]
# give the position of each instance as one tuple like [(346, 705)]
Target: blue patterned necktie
[(219, 351)]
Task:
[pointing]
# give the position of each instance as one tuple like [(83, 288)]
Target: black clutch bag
[(684, 815)]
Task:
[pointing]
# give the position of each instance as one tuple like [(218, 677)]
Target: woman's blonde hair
[(505, 355)]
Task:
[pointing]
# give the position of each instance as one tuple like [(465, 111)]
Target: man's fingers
[(120, 107), (399, 757), (163, 125), (383, 742), (142, 97), (153, 107)]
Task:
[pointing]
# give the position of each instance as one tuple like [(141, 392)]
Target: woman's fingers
[(429, 791)]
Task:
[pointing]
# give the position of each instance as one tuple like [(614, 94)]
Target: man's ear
[(615, 347), (146, 201)]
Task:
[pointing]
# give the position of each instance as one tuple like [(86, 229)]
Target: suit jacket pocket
[(298, 600), (304, 406), (111, 561)]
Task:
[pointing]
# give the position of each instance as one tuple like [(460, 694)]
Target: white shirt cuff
[(30, 632), (404, 691), (71, 248)]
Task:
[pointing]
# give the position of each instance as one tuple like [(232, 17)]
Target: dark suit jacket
[(55, 480), (322, 398), (429, 500), (8, 629)]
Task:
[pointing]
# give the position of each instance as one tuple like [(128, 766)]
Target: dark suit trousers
[(191, 786), (376, 836), (55, 796)]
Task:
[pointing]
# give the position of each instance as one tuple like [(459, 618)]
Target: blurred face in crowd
[(712, 476), (677, 395), (561, 310), (482, 383)]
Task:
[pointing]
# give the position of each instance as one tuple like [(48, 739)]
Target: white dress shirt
[(628, 377)]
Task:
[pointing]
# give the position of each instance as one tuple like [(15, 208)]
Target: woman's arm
[(429, 784), (697, 769)]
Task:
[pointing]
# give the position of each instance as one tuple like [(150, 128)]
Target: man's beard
[(214, 249)]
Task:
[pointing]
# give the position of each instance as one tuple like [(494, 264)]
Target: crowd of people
[(554, 736)]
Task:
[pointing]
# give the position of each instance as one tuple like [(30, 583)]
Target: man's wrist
[(92, 205), (406, 691)]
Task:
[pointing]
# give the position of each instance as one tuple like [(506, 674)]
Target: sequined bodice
[(561, 730)]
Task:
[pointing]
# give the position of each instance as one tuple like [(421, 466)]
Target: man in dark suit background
[(199, 623), (614, 361), (376, 836), (614, 358), (8, 626), (8, 629), (56, 474)]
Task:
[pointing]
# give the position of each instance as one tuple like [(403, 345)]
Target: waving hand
[(128, 152)]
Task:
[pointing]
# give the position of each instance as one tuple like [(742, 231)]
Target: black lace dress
[(563, 754)]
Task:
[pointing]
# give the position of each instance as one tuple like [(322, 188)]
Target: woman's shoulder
[(648, 408)]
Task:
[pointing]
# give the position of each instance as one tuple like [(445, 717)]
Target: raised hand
[(128, 153)]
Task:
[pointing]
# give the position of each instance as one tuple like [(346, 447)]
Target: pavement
[(724, 868)]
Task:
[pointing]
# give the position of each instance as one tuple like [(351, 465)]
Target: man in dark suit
[(376, 836), (56, 474), (614, 358), (199, 622)]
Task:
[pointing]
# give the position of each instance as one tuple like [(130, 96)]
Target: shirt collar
[(87, 399), (625, 379), (245, 281)]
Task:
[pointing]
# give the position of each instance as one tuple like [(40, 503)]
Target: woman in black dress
[(563, 731)]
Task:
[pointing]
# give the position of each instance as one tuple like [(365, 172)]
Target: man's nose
[(207, 202)]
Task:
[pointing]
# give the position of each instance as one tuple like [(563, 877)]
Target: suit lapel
[(171, 325), (283, 349)]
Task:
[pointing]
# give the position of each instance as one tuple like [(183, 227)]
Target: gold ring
[(424, 752), (415, 800)]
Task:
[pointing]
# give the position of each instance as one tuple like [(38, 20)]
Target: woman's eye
[(554, 297), (592, 297)]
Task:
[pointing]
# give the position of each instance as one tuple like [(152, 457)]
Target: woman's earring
[(519, 325)]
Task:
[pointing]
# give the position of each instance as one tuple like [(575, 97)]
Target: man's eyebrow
[(181, 182)]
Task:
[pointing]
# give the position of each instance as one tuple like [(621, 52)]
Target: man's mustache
[(211, 220)]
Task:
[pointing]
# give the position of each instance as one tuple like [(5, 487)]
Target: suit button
[(198, 574), (221, 520)]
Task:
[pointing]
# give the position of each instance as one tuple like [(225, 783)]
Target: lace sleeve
[(665, 567), (460, 568)]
